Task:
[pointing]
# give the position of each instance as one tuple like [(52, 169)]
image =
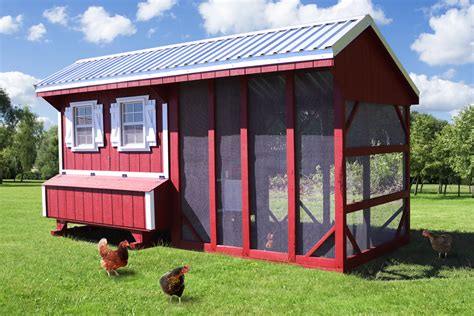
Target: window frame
[(84, 147), (144, 146)]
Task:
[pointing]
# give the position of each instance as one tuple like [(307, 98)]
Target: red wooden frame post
[(173, 105), (245, 166), (212, 165), (61, 228), (290, 161), (407, 172), (340, 178)]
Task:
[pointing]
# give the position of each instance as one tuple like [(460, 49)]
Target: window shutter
[(99, 125), (115, 123), (150, 119), (69, 137)]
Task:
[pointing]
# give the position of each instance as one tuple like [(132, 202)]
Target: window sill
[(85, 149)]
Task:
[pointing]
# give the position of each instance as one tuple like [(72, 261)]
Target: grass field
[(41, 274)]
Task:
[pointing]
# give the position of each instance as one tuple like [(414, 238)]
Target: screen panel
[(228, 166), (314, 141), (194, 162), (268, 181)]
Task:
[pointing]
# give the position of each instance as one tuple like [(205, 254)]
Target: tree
[(424, 130), (25, 141), (47, 158), (461, 145)]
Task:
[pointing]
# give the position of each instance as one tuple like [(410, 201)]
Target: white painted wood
[(150, 122), (43, 191), (164, 144), (115, 124), (98, 122), (60, 141), (150, 210), (115, 173), (69, 137)]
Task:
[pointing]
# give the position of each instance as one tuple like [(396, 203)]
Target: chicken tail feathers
[(102, 243)]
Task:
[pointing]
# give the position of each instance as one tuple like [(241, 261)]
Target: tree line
[(442, 153), (26, 150)]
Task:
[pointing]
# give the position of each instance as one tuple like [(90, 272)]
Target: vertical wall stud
[(212, 165), (290, 161), (407, 171), (244, 165), (339, 177)]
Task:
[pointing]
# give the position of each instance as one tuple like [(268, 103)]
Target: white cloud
[(99, 26), (234, 16), (442, 95), (10, 25), (36, 32), (449, 74), (19, 87), (56, 15), (151, 32), (153, 8), (452, 40)]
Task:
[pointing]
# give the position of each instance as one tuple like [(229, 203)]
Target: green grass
[(41, 274)]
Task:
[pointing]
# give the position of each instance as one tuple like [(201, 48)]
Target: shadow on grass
[(418, 260), (93, 234)]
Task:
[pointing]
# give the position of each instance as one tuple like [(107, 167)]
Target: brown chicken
[(113, 259), (440, 243), (172, 282)]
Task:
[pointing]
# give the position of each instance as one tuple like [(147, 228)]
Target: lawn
[(42, 274)]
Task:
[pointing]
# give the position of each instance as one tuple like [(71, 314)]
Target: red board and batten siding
[(108, 158)]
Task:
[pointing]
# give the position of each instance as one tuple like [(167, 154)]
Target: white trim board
[(115, 173), (164, 142), (150, 210), (44, 201), (60, 140)]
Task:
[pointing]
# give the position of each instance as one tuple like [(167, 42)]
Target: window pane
[(132, 134), (84, 136), (87, 119), (128, 108), (138, 107), (138, 117), (128, 118), (88, 110)]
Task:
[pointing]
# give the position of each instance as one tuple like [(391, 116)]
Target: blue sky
[(433, 39)]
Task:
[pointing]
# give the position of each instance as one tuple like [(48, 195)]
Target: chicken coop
[(288, 144)]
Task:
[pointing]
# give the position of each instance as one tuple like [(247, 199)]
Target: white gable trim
[(150, 210)]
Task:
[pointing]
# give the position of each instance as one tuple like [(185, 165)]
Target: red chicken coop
[(288, 144)]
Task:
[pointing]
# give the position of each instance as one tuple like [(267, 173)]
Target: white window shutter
[(115, 124), (99, 125), (150, 121), (69, 135)]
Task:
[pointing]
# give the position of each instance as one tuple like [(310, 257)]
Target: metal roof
[(313, 41)]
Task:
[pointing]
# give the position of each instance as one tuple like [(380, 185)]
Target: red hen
[(113, 259)]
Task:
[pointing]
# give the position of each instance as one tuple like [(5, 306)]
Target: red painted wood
[(339, 177), (373, 150), (62, 206), (163, 211), (124, 161), (127, 201), (87, 161), (321, 241), (52, 199), (97, 207), (96, 160), (212, 165), (107, 207), (70, 205), (376, 201), (139, 210), (229, 250), (79, 160), (290, 164), (88, 206), (117, 211), (245, 166), (134, 162), (79, 204), (105, 182), (366, 71), (268, 255), (173, 106)]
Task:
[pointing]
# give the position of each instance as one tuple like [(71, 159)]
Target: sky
[(433, 39)]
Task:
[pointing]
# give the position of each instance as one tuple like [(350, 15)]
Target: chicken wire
[(374, 125), (314, 141), (374, 226), (194, 163), (228, 167), (268, 181)]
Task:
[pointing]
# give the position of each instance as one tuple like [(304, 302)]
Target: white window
[(133, 121), (84, 126)]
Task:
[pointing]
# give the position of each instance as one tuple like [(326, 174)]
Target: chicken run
[(288, 144)]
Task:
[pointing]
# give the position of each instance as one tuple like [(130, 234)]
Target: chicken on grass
[(439, 243), (172, 282), (113, 259)]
